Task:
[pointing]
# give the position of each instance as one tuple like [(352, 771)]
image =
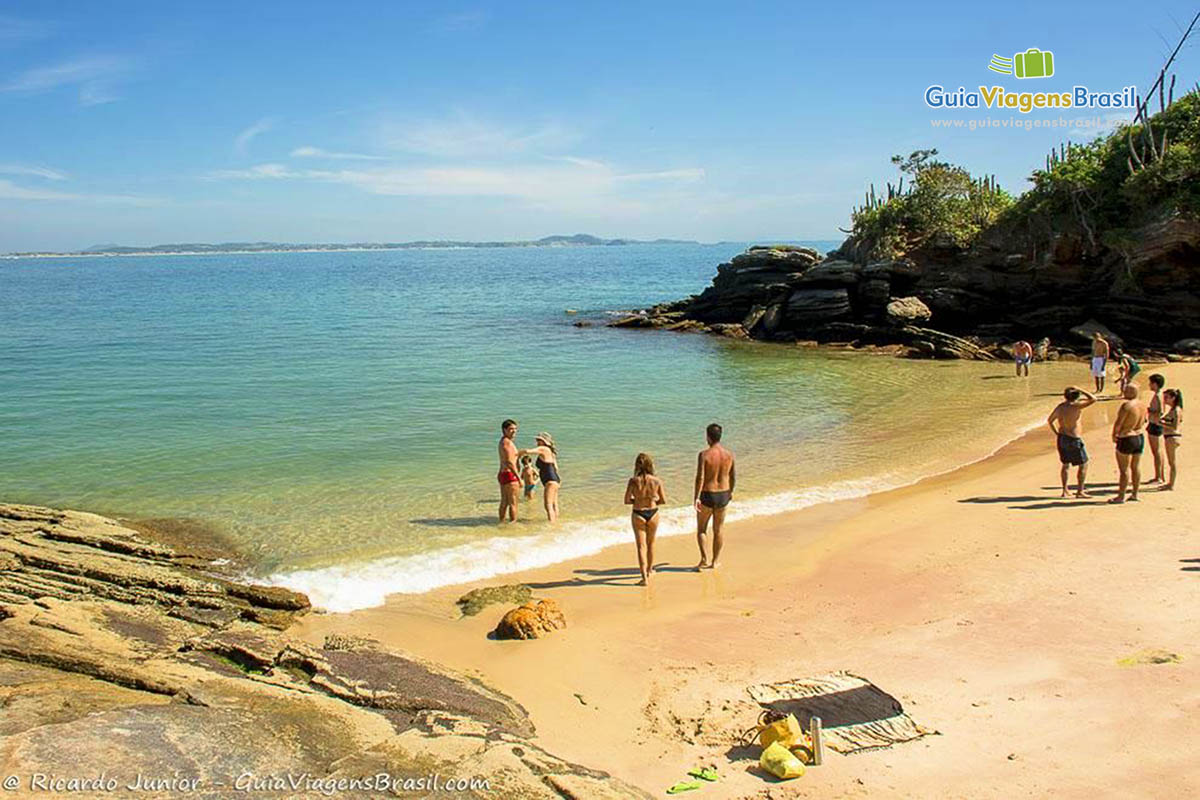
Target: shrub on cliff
[(943, 200), (1118, 182)]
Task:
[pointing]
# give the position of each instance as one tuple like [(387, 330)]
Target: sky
[(142, 123)]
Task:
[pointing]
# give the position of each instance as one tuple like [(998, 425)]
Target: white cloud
[(95, 76), (255, 172), (466, 137), (11, 191), (241, 142), (316, 152), (566, 181), (35, 172)]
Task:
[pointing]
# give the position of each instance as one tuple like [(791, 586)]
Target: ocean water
[(335, 415)]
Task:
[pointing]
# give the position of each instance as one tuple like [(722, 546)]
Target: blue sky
[(150, 122)]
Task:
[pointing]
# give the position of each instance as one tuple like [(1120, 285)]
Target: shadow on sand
[(1195, 564), (1029, 502), (616, 576)]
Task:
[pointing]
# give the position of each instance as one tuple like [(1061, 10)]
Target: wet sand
[(1013, 622)]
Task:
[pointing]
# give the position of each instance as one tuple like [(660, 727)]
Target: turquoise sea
[(335, 414)]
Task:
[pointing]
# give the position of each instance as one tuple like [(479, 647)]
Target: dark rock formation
[(1000, 289), (123, 656)]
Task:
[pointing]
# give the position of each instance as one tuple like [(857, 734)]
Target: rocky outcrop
[(1146, 294), (531, 621), (123, 656)]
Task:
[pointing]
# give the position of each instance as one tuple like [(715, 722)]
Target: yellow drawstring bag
[(779, 761), (786, 731)]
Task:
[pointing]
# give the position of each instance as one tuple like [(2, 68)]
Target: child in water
[(529, 476)]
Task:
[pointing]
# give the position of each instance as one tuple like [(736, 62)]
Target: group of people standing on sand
[(716, 478), (1158, 420)]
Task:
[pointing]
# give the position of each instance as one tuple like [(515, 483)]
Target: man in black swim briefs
[(1129, 436), (715, 481)]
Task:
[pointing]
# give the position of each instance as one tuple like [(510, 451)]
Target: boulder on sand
[(531, 621)]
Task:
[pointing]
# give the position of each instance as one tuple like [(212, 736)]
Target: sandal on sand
[(704, 773), (684, 786)]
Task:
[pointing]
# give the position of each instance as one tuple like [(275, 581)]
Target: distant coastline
[(227, 248)]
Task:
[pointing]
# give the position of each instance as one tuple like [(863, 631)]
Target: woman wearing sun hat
[(547, 466)]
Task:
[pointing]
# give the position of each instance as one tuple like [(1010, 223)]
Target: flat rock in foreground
[(124, 657)]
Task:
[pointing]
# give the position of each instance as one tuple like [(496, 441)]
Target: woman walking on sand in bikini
[(645, 493), (547, 467)]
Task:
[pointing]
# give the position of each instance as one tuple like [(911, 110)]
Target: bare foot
[(1083, 494), (642, 582), (1116, 501), (1133, 498), (1065, 493), (714, 565), (1166, 488), (702, 565), (1154, 480)]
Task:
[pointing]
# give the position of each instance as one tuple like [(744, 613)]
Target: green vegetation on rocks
[(477, 600)]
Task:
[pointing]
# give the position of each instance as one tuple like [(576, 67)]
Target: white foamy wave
[(348, 587)]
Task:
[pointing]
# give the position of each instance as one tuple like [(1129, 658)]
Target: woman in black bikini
[(1171, 421), (644, 492), (547, 466), (1154, 429)]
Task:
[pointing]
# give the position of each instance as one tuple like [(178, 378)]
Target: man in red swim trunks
[(510, 481)]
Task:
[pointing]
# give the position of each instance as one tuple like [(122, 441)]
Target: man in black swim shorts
[(715, 479)]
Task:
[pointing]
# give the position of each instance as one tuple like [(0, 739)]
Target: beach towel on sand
[(855, 714)]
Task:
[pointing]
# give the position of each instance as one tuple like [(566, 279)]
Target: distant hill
[(574, 240)]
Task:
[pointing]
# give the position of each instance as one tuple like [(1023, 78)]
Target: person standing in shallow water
[(1100, 351), (507, 477), (547, 467), (1022, 357), (1071, 451), (715, 481), (645, 493), (1128, 434)]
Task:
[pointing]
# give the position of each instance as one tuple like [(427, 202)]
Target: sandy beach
[(1021, 627)]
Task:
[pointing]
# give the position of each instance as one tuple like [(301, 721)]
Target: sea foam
[(348, 587)]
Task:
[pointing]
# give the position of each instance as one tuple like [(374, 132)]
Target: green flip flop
[(684, 786), (704, 773)]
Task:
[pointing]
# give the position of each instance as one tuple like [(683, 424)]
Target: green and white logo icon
[(1033, 63)]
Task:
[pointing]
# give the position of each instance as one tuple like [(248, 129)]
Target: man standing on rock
[(1099, 360), (1129, 435), (1070, 444), (1023, 356), (510, 481), (715, 480)]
